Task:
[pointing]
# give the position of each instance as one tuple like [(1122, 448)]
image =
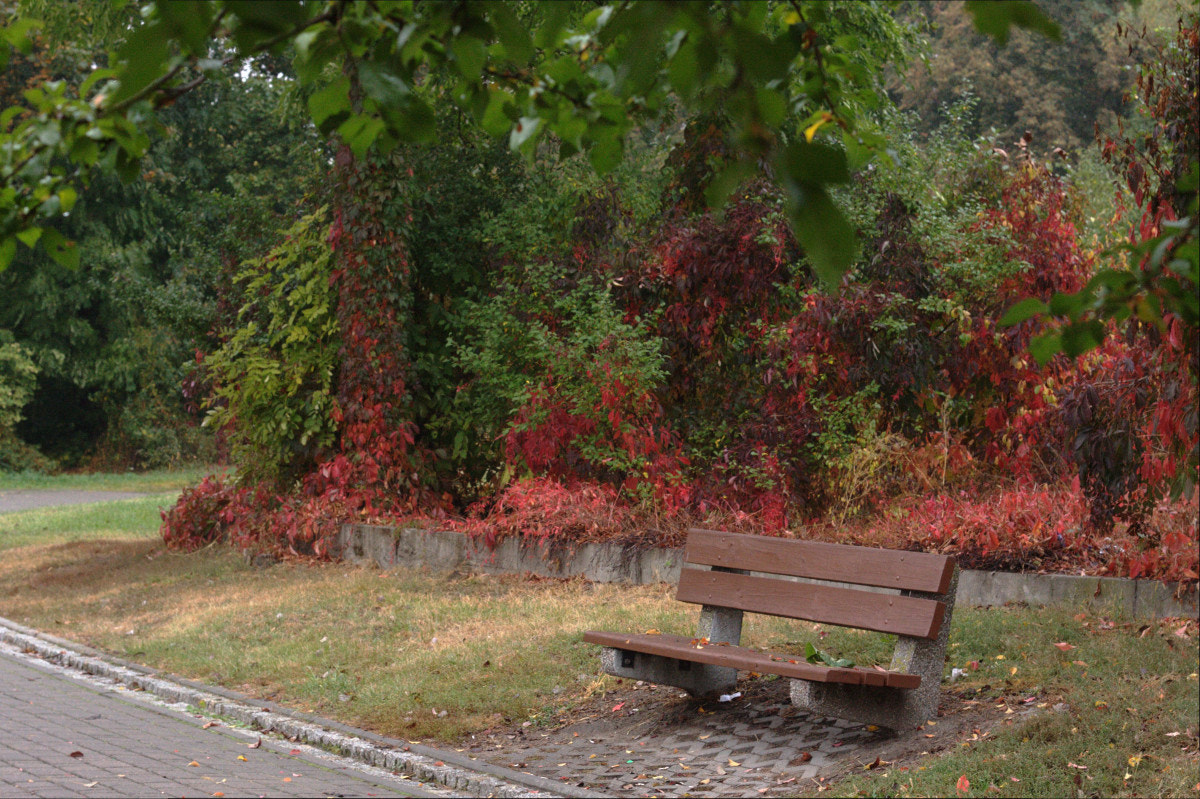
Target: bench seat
[(743, 659)]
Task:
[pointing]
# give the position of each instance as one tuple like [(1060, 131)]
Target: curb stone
[(465, 775)]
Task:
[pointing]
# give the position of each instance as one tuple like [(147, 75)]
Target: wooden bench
[(731, 574)]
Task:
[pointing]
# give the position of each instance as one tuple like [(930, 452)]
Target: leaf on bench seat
[(814, 655)]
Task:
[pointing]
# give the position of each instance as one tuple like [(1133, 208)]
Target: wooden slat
[(913, 571), (676, 646), (867, 610)]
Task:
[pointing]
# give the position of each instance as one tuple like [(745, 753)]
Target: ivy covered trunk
[(376, 454)]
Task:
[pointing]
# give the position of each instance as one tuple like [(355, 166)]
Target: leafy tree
[(1058, 92), (586, 81), (113, 334)]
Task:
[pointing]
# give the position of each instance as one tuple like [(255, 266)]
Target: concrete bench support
[(717, 624), (888, 707)]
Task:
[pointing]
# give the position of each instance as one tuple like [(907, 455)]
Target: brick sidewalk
[(66, 735)]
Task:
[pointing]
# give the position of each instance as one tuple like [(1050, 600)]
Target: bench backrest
[(917, 572)]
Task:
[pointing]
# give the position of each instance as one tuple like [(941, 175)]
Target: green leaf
[(330, 103), (188, 21), (995, 17), (8, 249), (470, 54), (684, 70), (606, 151), (547, 36), (29, 237), (64, 252), (511, 32), (1069, 305), (815, 164), (771, 106), (67, 197), (1025, 309), (17, 33), (144, 59), (258, 20), (825, 233), (381, 85), (1080, 337), (1045, 347), (726, 182), (495, 121)]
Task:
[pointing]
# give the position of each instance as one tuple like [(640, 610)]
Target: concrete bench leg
[(894, 708), (716, 624), (695, 678)]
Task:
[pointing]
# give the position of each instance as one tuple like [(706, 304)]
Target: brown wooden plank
[(676, 646), (848, 607), (886, 568)]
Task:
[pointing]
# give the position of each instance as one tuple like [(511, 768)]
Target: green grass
[(1126, 696), (136, 518), (150, 482)]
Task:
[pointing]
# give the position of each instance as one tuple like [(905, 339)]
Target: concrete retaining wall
[(443, 550)]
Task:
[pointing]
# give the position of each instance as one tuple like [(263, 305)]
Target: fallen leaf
[(1076, 765), (76, 754), (1182, 632), (653, 631), (963, 784), (218, 793), (91, 784), (1064, 646), (294, 752), (194, 763), (1079, 663), (208, 724), (287, 779), (243, 758), (1014, 671), (618, 706), (805, 757), (973, 665), (733, 762), (1135, 760), (256, 744)]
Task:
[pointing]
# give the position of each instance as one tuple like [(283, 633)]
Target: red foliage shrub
[(550, 511)]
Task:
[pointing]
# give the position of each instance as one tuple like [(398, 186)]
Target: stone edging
[(464, 775), (612, 563)]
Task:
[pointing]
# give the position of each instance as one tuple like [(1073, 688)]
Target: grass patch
[(136, 518), (1116, 712), (156, 481)]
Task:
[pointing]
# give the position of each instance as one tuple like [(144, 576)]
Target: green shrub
[(273, 378)]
